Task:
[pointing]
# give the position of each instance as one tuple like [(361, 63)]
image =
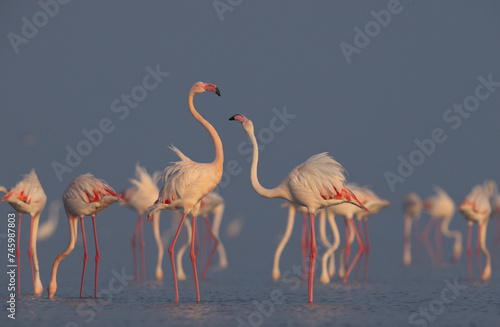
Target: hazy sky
[(364, 97)]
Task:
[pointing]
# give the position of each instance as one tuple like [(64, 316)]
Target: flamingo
[(27, 197), (85, 196), (47, 228), (317, 183), (213, 203), (412, 209), (441, 208), (374, 204), (186, 182), (477, 208), (138, 198)]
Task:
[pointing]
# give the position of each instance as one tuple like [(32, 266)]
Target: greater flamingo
[(477, 208), (48, 227), (412, 207), (85, 196), (138, 198), (186, 182), (27, 197), (317, 183), (441, 208)]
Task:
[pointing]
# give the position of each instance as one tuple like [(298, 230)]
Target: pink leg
[(141, 244), (437, 240), (193, 260), (97, 256), (347, 244), (171, 253), (312, 260), (417, 239), (367, 248), (427, 243), (216, 243), (361, 248), (304, 243), (136, 231), (469, 263), (30, 254), (358, 267), (18, 254), (85, 255), (478, 254)]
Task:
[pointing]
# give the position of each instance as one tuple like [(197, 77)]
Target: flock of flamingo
[(316, 186)]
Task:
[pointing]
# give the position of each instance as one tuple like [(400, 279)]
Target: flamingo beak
[(212, 88), (239, 118)]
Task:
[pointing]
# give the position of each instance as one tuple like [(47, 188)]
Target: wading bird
[(48, 227), (85, 196), (412, 207), (186, 182), (317, 183), (27, 197)]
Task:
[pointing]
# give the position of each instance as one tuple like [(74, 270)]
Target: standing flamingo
[(28, 197), (48, 227), (476, 208), (186, 182), (317, 183), (85, 196), (139, 197), (412, 209), (441, 208)]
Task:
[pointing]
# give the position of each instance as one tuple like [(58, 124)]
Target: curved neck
[(276, 192), (445, 229), (219, 155)]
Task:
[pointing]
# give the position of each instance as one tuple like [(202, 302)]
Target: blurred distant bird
[(139, 197), (317, 183), (85, 196), (441, 208), (186, 182), (477, 208), (28, 197), (412, 209), (47, 228)]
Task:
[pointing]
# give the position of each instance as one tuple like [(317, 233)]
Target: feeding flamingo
[(317, 183), (48, 227), (85, 196), (27, 197), (139, 197), (412, 209), (477, 208), (441, 208), (186, 182)]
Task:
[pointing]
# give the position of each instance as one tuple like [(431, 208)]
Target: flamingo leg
[(97, 256), (437, 240), (367, 248), (141, 244), (193, 260), (197, 240), (30, 255), (304, 242), (407, 241), (216, 244), (427, 243), (85, 255), (469, 263), (361, 248), (312, 259), (134, 253), (417, 240), (358, 267), (171, 254), (18, 255), (478, 254), (348, 244)]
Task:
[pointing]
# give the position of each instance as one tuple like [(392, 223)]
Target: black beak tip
[(232, 118), (217, 91)]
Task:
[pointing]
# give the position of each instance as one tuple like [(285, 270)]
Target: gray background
[(262, 55)]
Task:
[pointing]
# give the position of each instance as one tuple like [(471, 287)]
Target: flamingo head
[(245, 122), (201, 87)]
